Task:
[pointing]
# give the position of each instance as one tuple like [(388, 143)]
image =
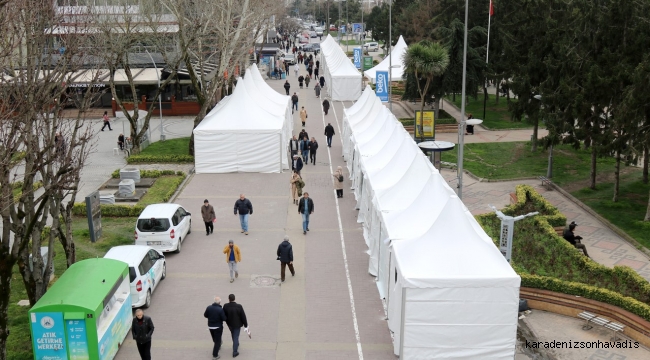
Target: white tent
[(452, 285), (358, 107), (342, 79), (396, 57), (246, 132)]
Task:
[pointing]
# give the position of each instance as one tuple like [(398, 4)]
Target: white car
[(147, 268), (164, 227), (371, 46)]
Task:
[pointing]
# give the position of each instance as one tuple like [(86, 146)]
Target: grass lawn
[(515, 160), (116, 231), (161, 190), (178, 146), (496, 115), (630, 209)]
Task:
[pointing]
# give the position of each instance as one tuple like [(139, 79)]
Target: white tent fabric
[(246, 132), (396, 57), (342, 79), (453, 286), (433, 261)]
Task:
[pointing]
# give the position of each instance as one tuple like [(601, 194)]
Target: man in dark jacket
[(296, 164), (306, 208), (142, 329), (574, 240), (208, 215), (329, 129), (300, 80), (245, 208), (235, 319), (313, 146), (287, 86), (285, 255), (326, 106), (215, 315), (302, 135), (294, 102), (304, 147), (294, 146)]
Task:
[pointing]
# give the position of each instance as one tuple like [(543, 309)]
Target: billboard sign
[(357, 28), (425, 124), (381, 86), (48, 336), (357, 57)]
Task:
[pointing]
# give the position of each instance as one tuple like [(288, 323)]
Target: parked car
[(290, 58), (304, 40), (313, 34), (316, 46), (371, 46), (332, 27), (319, 31), (308, 47), (163, 227), (147, 268)]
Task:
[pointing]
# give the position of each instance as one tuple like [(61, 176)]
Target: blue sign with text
[(357, 57), (357, 28), (381, 86), (77, 339), (48, 336)]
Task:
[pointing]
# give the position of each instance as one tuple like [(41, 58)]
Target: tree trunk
[(6, 267), (646, 218), (592, 174), (534, 139), (496, 86), (617, 175), (645, 163)]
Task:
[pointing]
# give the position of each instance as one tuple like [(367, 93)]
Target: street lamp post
[(461, 126), (162, 129), (390, 55), (549, 170)]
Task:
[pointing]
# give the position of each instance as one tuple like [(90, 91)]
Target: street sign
[(425, 124), (367, 63), (94, 215), (357, 57), (381, 87), (357, 28)]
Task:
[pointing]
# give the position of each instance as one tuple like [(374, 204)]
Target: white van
[(371, 46), (147, 268), (163, 227)]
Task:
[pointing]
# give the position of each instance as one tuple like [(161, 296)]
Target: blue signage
[(357, 57), (77, 339), (48, 336), (381, 86), (115, 330), (357, 28), (342, 29)]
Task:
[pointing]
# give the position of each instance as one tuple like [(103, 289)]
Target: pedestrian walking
[(209, 217), (313, 146), (329, 129), (303, 116), (303, 134), (235, 319), (338, 182), (307, 80), (142, 329), (296, 164), (301, 79), (322, 81), (120, 141), (317, 89), (296, 68), (285, 255), (294, 102), (296, 186), (309, 71), (294, 145), (326, 106), (306, 208), (317, 64), (245, 208), (107, 121), (216, 316), (233, 256), (287, 86), (316, 73), (304, 148)]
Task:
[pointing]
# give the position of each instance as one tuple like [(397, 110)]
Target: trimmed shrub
[(79, 209), (175, 159), (151, 173)]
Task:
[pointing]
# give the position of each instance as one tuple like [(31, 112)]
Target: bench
[(616, 328), (546, 182), (586, 316), (595, 319)]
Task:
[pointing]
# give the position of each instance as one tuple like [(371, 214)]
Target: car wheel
[(147, 301), (178, 248), (189, 230), (164, 272)]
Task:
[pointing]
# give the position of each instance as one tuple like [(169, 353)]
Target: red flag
[(491, 9)]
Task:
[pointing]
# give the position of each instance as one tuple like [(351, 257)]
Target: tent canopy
[(342, 79), (396, 57)]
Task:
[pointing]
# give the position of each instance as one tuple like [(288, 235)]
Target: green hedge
[(151, 173), (144, 159), (79, 209), (546, 261)]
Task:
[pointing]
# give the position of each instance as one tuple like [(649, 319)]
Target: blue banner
[(77, 339), (48, 336), (357, 28), (118, 327), (357, 57), (342, 29), (381, 86)]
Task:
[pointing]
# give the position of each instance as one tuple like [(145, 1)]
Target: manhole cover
[(264, 281)]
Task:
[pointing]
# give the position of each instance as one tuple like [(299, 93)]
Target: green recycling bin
[(85, 315)]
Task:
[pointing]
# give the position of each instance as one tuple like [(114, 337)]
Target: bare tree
[(215, 39), (33, 90)]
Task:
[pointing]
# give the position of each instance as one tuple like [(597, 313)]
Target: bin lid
[(85, 285)]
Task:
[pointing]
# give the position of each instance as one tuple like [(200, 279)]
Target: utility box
[(130, 173), (107, 199), (126, 187), (85, 315)]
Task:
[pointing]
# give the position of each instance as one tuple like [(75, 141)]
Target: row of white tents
[(342, 79), (449, 292), (248, 131)]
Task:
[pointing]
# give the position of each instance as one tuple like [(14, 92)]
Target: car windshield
[(153, 225)]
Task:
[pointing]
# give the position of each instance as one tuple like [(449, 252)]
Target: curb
[(182, 186)]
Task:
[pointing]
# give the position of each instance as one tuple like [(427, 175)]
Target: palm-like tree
[(425, 60)]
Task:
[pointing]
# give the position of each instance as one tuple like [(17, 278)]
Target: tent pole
[(280, 135), (401, 325)]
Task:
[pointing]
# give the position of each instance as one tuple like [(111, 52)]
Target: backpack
[(340, 178)]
